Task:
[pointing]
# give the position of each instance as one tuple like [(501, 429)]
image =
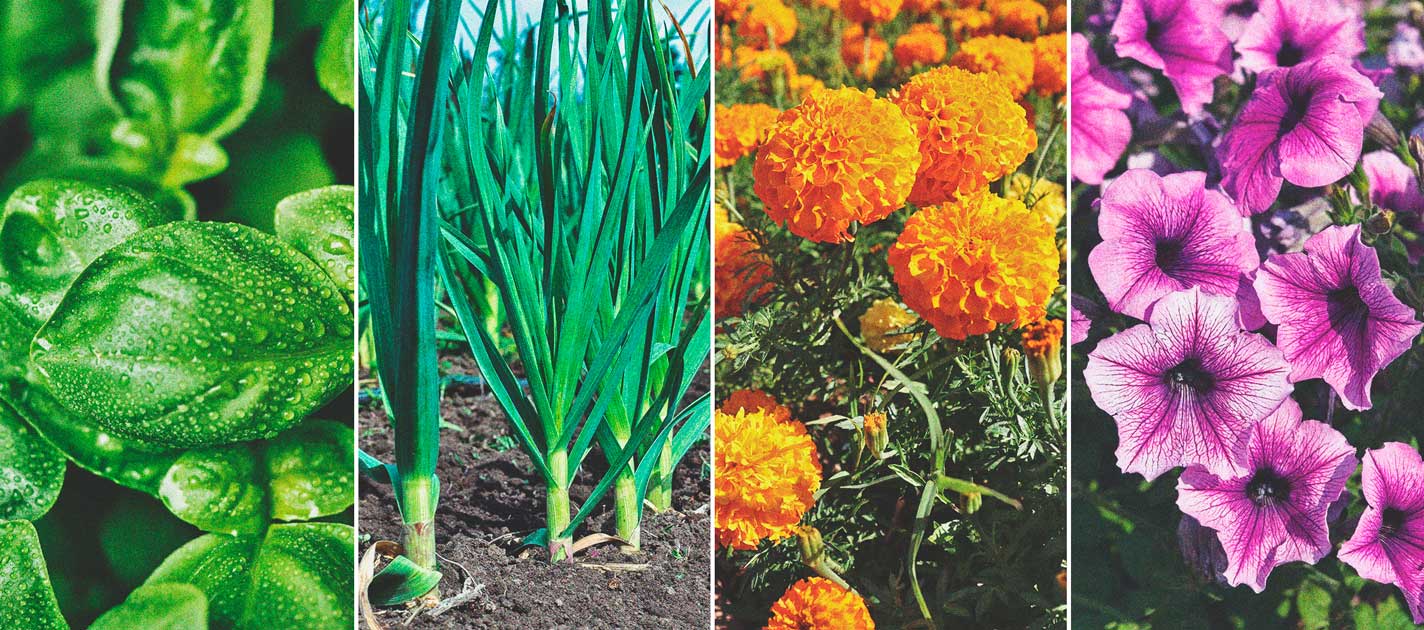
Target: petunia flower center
[(1296, 110), (1267, 488), (1390, 522), (1345, 303), (1190, 375), (1289, 54), (1169, 254)]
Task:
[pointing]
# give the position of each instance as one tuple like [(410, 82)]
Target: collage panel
[(536, 326), (890, 438), (1246, 311), (176, 315)]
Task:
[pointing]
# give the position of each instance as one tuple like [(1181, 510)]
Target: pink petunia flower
[(1182, 38), (1165, 234), (1284, 33), (1388, 544), (1100, 128), (1304, 124), (1079, 324), (1394, 186), (1274, 511), (1336, 317), (1186, 388)]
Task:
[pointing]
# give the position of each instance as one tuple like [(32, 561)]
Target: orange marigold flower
[(870, 11), (755, 400), (879, 323), (743, 273), (834, 5), (1046, 200), (730, 11), (840, 157), (1057, 18), (754, 64), (767, 18), (802, 85), (862, 59), (768, 473), (819, 603), (740, 128), (967, 23), (1050, 64), (1011, 58), (875, 421), (971, 130), (1019, 18), (975, 262), (923, 44), (922, 7)]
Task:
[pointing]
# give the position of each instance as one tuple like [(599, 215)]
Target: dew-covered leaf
[(184, 67), (198, 334), (158, 607), (31, 471), (26, 597), (298, 575), (302, 474), (335, 66), (321, 223)]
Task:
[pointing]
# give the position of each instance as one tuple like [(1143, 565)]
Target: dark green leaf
[(335, 56), (159, 607), (197, 334), (26, 598), (401, 581)]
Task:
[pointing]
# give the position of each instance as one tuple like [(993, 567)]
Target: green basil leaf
[(302, 474), (198, 334), (26, 597), (335, 56), (184, 67), (31, 471), (37, 40), (296, 576), (321, 223), (158, 607)]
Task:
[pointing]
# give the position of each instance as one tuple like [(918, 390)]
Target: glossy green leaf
[(296, 576), (26, 597), (198, 334), (335, 56), (158, 607), (321, 224), (31, 471), (184, 67), (302, 474)]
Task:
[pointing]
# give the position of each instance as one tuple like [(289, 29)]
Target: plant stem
[(660, 490), (557, 505), (418, 516), (625, 508)]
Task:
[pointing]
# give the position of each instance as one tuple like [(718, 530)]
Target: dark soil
[(491, 497)]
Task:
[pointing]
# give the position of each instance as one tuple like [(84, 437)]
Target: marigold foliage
[(975, 262), (971, 131), (740, 128), (768, 472), (767, 17), (1018, 18), (840, 157), (742, 272), (861, 59), (755, 400), (1050, 64), (1011, 58), (923, 44), (1047, 199), (819, 604), (879, 323), (870, 11)]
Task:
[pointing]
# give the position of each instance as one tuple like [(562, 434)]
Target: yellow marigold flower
[(840, 157), (730, 11), (966, 23), (879, 323), (754, 64), (755, 400), (767, 475), (1047, 197), (971, 130), (1011, 58), (765, 18), (802, 85), (861, 59), (975, 262), (819, 604), (923, 44), (740, 128), (1050, 64), (1019, 18), (870, 11), (742, 272), (875, 421)]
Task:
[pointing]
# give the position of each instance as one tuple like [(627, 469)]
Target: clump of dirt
[(491, 496)]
